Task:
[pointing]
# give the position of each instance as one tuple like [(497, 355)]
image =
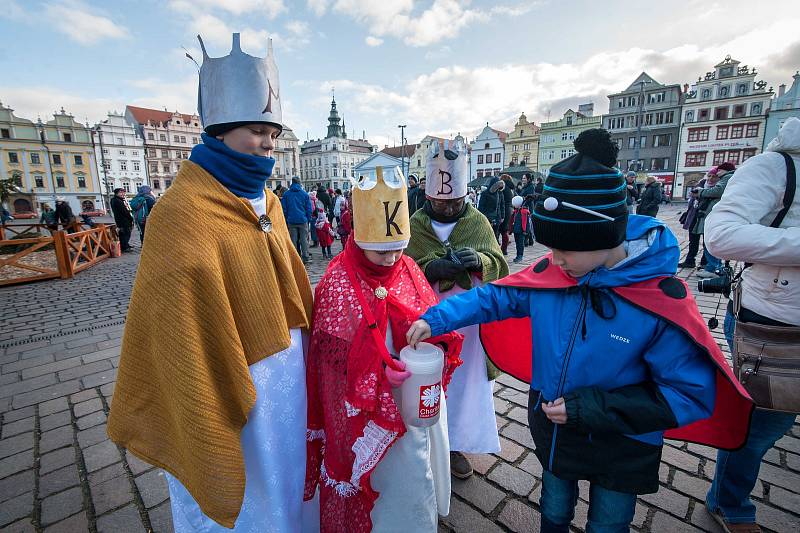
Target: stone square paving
[(59, 472)]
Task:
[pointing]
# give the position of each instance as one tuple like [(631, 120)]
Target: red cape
[(668, 298)]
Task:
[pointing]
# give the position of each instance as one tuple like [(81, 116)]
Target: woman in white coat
[(738, 228)]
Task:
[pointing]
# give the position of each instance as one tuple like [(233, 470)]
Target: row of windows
[(656, 163), (725, 91), (736, 131), (652, 98), (123, 165), (648, 119), (157, 184), (664, 139), (165, 154), (318, 174), (698, 159), (134, 153), (36, 158), (724, 112), (38, 181), (488, 172), (175, 138), (488, 158), (526, 146)]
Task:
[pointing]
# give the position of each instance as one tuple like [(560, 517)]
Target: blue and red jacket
[(627, 349)]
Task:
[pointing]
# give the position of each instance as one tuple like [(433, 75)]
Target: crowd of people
[(274, 409)]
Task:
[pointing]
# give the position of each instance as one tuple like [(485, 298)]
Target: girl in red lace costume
[(372, 470)]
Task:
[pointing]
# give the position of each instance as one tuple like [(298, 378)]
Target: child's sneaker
[(517, 259), (459, 465)]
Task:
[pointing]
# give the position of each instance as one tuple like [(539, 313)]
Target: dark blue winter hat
[(583, 205)]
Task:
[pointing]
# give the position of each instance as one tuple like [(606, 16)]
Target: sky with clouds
[(439, 66)]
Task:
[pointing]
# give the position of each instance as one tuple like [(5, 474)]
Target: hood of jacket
[(788, 139), (652, 250), (296, 187)]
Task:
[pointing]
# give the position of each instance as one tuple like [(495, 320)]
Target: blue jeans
[(712, 263), (609, 511), (737, 472)]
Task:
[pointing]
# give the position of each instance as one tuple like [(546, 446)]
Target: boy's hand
[(556, 411), (419, 331)]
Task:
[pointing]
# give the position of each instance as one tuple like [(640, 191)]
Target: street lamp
[(638, 141), (403, 148), (40, 129), (92, 131)]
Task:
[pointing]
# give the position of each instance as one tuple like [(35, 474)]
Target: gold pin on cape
[(381, 293), (265, 223)]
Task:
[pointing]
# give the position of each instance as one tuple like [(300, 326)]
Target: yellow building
[(60, 164), (522, 144)]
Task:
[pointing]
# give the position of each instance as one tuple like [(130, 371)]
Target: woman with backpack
[(141, 205)]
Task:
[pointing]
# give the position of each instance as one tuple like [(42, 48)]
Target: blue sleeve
[(683, 373), (478, 306)]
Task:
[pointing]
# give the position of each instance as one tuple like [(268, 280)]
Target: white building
[(487, 153), (287, 159), (724, 117), (378, 159), (119, 151), (332, 160)]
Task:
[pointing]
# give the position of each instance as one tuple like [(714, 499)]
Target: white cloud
[(373, 41), (457, 98), (269, 8), (318, 7), (402, 19), (75, 19)]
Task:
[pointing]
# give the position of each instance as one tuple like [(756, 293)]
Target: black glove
[(439, 269), (470, 259)]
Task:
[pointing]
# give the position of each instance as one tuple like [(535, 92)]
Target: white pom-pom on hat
[(516, 202), (551, 203)]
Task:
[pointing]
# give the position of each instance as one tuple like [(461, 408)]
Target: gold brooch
[(381, 293)]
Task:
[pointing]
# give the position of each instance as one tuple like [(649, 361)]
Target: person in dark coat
[(492, 203), (633, 191), (508, 195), (414, 192), (650, 199), (64, 214), (325, 198), (122, 218)]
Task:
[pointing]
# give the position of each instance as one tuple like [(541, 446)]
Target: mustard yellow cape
[(213, 295)]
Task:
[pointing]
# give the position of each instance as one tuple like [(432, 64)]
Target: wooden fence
[(74, 251)]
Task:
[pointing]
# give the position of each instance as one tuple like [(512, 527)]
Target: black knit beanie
[(587, 179)]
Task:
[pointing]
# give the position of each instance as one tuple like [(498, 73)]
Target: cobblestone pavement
[(59, 350)]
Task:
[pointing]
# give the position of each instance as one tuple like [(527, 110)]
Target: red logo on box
[(429, 400)]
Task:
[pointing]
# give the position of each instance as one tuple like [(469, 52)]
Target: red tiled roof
[(397, 151), (143, 115), (500, 134)]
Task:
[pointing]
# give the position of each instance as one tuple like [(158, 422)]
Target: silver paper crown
[(447, 178), (239, 88)]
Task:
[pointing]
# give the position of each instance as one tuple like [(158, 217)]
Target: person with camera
[(708, 197), (757, 221)]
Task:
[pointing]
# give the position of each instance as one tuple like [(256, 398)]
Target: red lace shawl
[(352, 416)]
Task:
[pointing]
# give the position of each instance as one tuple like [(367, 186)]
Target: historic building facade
[(644, 120), (786, 104), (287, 159), (168, 140), (487, 154), (332, 161), (724, 115), (522, 144), (119, 152), (47, 160), (556, 138)]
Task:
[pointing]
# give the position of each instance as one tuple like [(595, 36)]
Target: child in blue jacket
[(608, 376)]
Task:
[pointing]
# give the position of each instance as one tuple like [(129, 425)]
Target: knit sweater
[(213, 294)]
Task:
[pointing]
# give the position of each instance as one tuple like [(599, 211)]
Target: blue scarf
[(244, 175)]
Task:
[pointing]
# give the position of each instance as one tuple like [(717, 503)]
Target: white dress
[(413, 478), (471, 422), (274, 448)]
